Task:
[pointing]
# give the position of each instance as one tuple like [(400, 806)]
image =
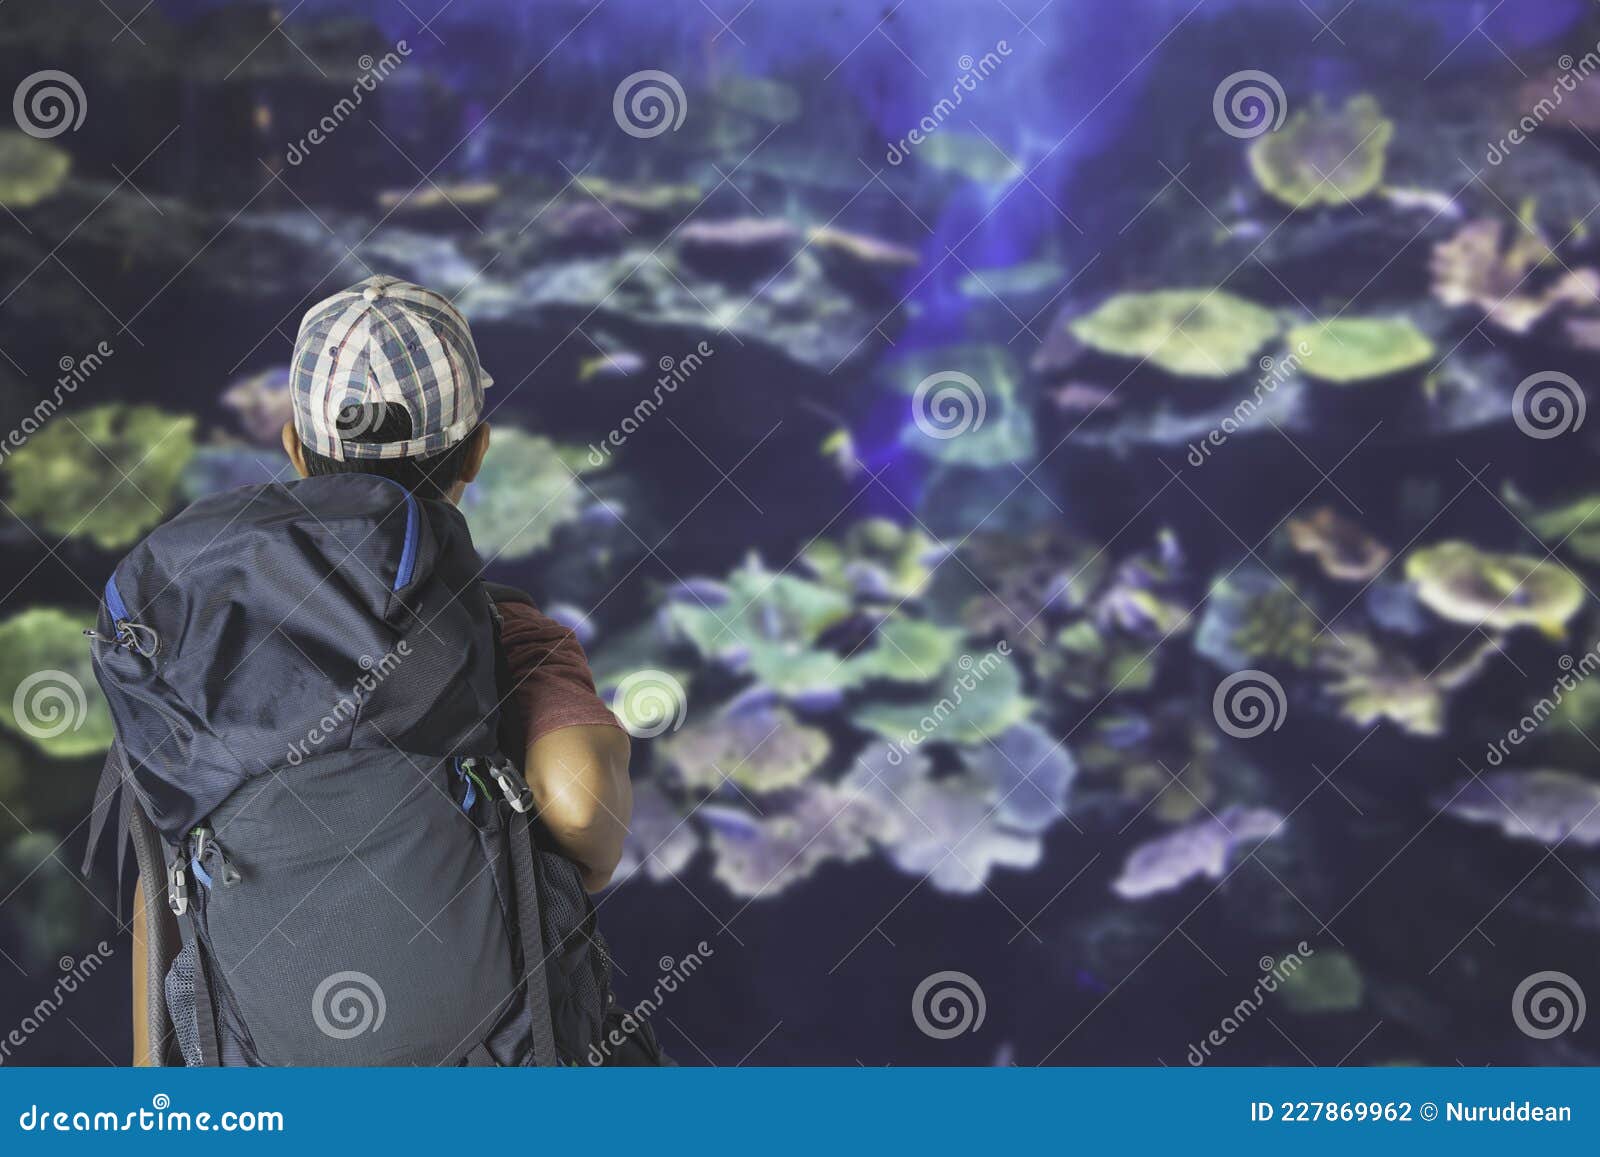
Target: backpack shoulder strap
[(524, 871), (158, 932)]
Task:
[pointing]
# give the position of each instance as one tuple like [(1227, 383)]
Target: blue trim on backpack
[(114, 602), (408, 551), (470, 797), (200, 872)]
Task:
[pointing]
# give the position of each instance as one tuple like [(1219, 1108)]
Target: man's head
[(386, 381)]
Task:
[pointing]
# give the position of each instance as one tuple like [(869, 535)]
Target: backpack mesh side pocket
[(181, 1006)]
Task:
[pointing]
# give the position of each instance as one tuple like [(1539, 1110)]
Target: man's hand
[(579, 779)]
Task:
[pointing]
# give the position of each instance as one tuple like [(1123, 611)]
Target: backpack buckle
[(177, 885), (512, 785)]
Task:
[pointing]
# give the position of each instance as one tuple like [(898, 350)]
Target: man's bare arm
[(579, 779)]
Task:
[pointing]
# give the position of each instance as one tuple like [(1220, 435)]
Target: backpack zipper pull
[(136, 637)]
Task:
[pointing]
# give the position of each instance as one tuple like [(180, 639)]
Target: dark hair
[(427, 476)]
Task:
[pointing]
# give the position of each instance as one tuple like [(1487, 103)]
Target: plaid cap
[(385, 342)]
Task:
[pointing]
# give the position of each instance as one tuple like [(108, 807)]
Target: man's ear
[(293, 447), (475, 453), (477, 447)]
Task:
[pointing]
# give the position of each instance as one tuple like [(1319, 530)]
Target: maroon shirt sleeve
[(554, 687)]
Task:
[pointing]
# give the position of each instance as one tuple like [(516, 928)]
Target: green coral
[(795, 670), (48, 692), (908, 651), (1326, 982), (1324, 158), (1089, 663), (1355, 349), (1201, 333), (981, 699), (761, 606), (529, 487), (1459, 582), (966, 406), (107, 474), (1279, 626), (30, 170), (1572, 526), (1006, 435), (761, 750), (876, 557)]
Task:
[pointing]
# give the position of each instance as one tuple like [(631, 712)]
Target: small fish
[(732, 822), (1025, 280), (617, 364), (1248, 228), (839, 448), (574, 620), (1429, 200), (698, 592), (1081, 397)]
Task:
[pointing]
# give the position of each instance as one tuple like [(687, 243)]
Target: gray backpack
[(314, 769)]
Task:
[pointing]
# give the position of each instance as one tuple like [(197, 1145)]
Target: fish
[(616, 364), (1202, 848), (1082, 397), (839, 448), (1023, 280), (1424, 200), (575, 620)]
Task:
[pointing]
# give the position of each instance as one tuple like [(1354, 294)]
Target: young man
[(386, 381)]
